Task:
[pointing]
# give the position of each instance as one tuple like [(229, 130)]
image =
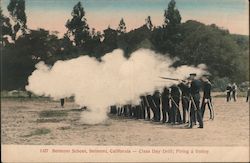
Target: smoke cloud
[(115, 80)]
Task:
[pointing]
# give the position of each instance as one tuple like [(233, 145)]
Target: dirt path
[(29, 122)]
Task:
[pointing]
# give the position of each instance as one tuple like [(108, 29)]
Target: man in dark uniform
[(206, 100), (119, 110), (175, 101), (157, 101), (185, 92), (113, 109), (152, 106), (125, 110), (147, 107), (62, 102), (228, 90), (130, 110), (165, 105), (248, 94), (195, 100), (143, 107), (234, 91)]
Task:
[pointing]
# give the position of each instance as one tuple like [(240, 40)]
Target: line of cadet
[(165, 106)]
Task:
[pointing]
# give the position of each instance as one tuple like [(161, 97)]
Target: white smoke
[(113, 80)]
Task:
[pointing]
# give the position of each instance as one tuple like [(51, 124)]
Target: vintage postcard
[(124, 80)]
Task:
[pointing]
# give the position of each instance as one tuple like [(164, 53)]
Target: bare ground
[(24, 122)]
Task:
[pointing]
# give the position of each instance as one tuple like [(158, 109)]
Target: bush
[(220, 84)]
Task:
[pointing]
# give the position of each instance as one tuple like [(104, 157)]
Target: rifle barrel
[(169, 78), (172, 79)]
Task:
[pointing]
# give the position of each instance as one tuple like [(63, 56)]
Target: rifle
[(172, 79)]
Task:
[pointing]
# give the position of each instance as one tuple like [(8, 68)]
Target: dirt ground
[(44, 122)]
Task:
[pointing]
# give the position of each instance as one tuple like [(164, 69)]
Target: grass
[(40, 131), (223, 94), (23, 95), (50, 120), (53, 113)]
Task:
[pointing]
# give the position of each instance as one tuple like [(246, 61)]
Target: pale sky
[(53, 14)]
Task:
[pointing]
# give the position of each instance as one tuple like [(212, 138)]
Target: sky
[(53, 14)]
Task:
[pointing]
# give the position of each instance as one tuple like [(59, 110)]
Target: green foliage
[(38, 132), (226, 55), (16, 9), (121, 27), (172, 17), (219, 84), (53, 113), (149, 23), (77, 26), (6, 29)]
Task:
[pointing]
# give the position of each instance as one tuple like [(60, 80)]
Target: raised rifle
[(166, 78)]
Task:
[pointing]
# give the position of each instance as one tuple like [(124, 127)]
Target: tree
[(110, 40), (77, 26), (121, 27), (149, 23), (172, 17), (16, 9), (6, 29)]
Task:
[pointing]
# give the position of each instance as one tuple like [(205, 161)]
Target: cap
[(192, 74)]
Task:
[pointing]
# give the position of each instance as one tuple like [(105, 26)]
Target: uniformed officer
[(157, 101), (248, 94), (234, 91), (62, 102), (145, 101), (228, 90), (143, 108), (185, 92), (195, 100), (175, 101), (165, 105), (152, 106), (206, 100)]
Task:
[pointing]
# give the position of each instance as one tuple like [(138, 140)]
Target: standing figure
[(143, 108), (175, 101), (165, 105), (195, 100), (206, 100), (152, 106), (228, 90), (185, 92), (248, 93), (234, 91), (147, 107), (157, 101), (113, 109), (62, 102)]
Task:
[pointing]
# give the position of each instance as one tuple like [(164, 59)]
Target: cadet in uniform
[(143, 108), (157, 102), (185, 92), (145, 101), (228, 90), (206, 100), (195, 100), (62, 102), (165, 105), (248, 94), (175, 101), (234, 91)]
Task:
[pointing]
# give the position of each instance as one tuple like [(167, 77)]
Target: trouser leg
[(198, 111), (184, 108), (203, 107), (164, 114)]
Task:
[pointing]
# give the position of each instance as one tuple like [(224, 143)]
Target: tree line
[(225, 54)]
